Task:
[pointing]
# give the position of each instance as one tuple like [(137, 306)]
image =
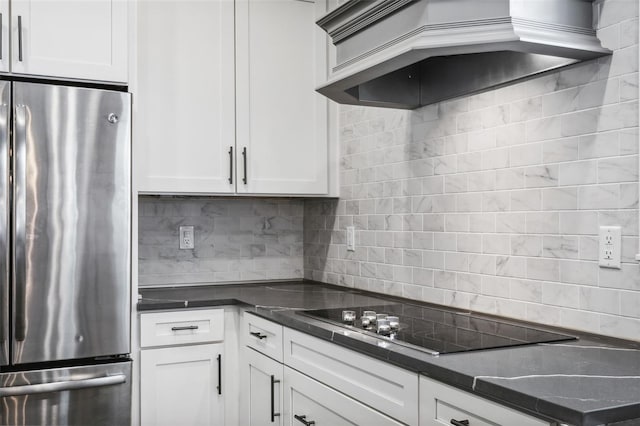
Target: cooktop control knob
[(368, 318), (394, 322), (348, 317), (383, 327)]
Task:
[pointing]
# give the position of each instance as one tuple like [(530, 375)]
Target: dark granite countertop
[(591, 381)]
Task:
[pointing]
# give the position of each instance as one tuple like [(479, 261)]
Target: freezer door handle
[(19, 214), (68, 385), (5, 100)]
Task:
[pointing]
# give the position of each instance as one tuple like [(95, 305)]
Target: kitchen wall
[(493, 202), (235, 240)]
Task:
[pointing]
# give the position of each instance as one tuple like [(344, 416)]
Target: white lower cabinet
[(182, 385), (183, 371), (391, 390), (287, 378), (332, 386), (441, 404), (309, 402), (262, 400)]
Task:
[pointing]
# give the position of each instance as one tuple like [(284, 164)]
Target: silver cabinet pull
[(186, 327), (63, 386), (19, 38), (244, 159), (230, 165)]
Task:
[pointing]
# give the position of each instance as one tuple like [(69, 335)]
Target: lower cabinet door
[(308, 402), (261, 402), (182, 385)]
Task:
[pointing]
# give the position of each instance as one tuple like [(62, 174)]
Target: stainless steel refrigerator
[(65, 210)]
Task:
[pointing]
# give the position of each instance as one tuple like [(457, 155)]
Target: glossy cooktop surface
[(439, 331)]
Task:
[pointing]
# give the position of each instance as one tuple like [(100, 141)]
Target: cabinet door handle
[(303, 420), (186, 327), (244, 159), (460, 422), (230, 165), (1, 36), (258, 335), (219, 374), (19, 38), (273, 406)]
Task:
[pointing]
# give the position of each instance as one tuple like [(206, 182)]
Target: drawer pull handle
[(303, 420), (273, 405), (258, 335), (187, 327), (460, 422)]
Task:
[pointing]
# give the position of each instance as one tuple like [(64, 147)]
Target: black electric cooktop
[(438, 331)]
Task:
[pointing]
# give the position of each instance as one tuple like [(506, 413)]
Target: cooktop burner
[(433, 330)]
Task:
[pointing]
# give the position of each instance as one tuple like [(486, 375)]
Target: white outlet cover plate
[(351, 238), (187, 238), (610, 247)]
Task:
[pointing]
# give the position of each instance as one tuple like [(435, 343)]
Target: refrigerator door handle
[(19, 223), (5, 92), (94, 382)]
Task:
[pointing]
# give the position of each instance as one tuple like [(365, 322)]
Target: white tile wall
[(235, 240), (492, 202)]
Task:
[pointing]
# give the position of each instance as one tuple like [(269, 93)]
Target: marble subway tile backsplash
[(235, 240), (492, 202)]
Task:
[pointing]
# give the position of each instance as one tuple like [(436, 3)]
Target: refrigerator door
[(5, 105), (71, 227), (90, 395)]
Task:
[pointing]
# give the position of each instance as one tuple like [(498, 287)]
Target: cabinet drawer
[(310, 401), (181, 327), (262, 335), (440, 404), (391, 389)]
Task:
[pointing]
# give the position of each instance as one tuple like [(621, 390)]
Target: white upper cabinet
[(5, 59), (225, 101), (76, 39), (282, 122), (184, 97)]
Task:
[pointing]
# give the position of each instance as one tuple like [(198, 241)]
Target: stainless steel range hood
[(410, 53)]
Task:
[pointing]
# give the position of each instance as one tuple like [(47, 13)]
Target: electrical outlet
[(610, 247), (187, 238), (351, 238)]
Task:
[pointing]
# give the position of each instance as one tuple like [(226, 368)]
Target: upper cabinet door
[(79, 39), (282, 122), (184, 104), (5, 58)]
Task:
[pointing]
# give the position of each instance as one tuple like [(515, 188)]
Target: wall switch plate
[(609, 248), (187, 238), (351, 238)]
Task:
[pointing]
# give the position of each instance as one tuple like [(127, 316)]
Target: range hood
[(411, 53)]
